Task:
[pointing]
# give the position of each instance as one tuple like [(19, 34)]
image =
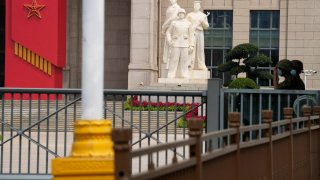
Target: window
[(264, 33), (218, 40)]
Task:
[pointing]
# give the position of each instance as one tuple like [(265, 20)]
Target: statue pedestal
[(181, 81), (193, 74), (177, 84), (199, 75), (198, 81)]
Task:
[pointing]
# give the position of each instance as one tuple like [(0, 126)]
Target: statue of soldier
[(181, 40), (199, 22), (171, 15)]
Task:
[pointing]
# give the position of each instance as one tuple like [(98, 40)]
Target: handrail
[(218, 152), (106, 91), (314, 117), (299, 119), (280, 136), (270, 91), (161, 147), (254, 127), (280, 123), (220, 133), (253, 143), (165, 170)]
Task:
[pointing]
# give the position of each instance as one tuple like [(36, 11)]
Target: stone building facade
[(117, 44), (282, 29)]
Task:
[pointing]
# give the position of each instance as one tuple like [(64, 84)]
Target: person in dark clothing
[(291, 71)]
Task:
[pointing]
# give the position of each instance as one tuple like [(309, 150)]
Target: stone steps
[(66, 119)]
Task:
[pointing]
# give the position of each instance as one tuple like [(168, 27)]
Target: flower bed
[(191, 109)]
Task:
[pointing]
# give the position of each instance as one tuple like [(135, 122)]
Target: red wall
[(45, 37)]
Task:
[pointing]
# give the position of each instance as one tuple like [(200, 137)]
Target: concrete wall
[(143, 68), (304, 36), (117, 44), (72, 72)]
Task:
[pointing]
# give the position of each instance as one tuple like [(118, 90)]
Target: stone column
[(143, 68)]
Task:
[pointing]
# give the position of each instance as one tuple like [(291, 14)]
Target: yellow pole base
[(92, 155)]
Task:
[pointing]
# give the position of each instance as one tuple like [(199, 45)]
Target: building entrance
[(2, 40)]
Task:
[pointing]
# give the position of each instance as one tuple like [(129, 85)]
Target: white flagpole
[(93, 59)]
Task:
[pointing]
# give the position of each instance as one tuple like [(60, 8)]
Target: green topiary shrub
[(252, 60), (243, 83)]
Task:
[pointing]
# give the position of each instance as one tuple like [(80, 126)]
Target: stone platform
[(181, 81), (197, 80), (182, 86), (193, 75)]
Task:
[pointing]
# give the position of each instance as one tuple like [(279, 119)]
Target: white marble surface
[(199, 22), (180, 81), (180, 38)]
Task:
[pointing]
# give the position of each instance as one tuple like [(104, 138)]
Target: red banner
[(35, 43)]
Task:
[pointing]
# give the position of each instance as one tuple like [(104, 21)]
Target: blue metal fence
[(251, 103), (37, 124)]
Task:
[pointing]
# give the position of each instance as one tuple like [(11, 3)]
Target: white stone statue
[(199, 22), (171, 15), (180, 38)]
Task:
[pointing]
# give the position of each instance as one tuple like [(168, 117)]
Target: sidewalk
[(21, 156)]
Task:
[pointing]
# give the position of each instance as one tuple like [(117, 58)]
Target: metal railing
[(291, 154), (251, 103), (36, 125)]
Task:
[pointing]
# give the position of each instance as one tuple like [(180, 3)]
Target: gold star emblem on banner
[(34, 9)]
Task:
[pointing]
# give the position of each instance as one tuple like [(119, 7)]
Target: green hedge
[(243, 83)]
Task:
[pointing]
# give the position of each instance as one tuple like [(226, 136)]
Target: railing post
[(234, 122), (195, 131), (267, 119), (288, 114), (307, 113), (267, 116), (122, 149), (316, 112), (213, 108)]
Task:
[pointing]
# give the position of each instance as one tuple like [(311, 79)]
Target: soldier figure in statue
[(171, 15), (199, 22), (181, 41)]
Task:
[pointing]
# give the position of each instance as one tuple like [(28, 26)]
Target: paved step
[(66, 117)]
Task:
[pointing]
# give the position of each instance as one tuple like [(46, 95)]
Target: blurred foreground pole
[(92, 155)]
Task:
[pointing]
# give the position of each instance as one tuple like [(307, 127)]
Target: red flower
[(144, 103)]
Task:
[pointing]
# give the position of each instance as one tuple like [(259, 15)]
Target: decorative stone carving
[(180, 39), (171, 15), (199, 22)]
